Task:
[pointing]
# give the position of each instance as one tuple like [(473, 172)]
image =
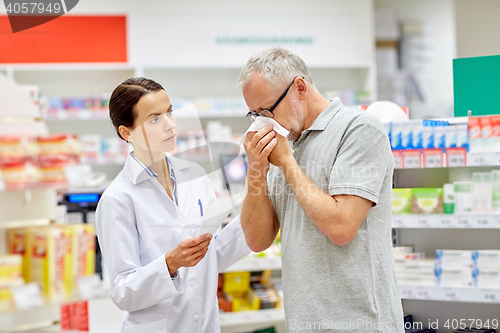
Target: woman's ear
[(125, 133)]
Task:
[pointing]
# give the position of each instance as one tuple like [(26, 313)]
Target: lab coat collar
[(138, 172)]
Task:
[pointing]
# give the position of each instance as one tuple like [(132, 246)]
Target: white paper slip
[(27, 296), (261, 122), (90, 286), (215, 215)]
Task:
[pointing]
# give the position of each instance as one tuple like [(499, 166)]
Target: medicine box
[(427, 200), (401, 201), (454, 258)]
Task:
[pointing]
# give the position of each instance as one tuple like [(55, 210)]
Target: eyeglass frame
[(252, 115)]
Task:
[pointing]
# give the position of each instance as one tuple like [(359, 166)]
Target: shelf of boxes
[(435, 158), (451, 294), (260, 317), (447, 221), (256, 264)]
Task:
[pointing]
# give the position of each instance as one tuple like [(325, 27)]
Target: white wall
[(478, 27), (362, 10), (441, 15)]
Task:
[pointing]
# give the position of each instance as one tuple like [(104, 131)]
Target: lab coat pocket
[(151, 327)]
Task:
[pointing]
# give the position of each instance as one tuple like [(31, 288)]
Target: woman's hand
[(187, 253)]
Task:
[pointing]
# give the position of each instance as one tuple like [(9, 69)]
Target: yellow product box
[(17, 242), (250, 301), (83, 245), (237, 283), (6, 299), (50, 260), (11, 266)]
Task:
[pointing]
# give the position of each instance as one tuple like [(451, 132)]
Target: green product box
[(448, 199), (495, 192), (401, 201), (427, 201)]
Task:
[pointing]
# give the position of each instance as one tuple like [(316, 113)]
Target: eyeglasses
[(252, 115)]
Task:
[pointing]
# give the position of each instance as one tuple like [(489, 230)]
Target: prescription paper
[(215, 215)]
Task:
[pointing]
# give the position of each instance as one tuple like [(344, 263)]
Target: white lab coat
[(137, 223)]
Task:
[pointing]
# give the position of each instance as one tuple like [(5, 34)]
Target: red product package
[(58, 146), (51, 171), (18, 175), (495, 126), (81, 316), (474, 128), (65, 311)]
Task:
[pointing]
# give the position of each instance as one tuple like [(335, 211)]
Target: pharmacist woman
[(162, 273)]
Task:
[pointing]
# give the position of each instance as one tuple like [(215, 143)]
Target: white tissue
[(261, 122)]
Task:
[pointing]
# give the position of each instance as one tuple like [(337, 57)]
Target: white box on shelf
[(91, 149), (454, 259), (486, 278), (486, 259), (464, 197), (454, 277)]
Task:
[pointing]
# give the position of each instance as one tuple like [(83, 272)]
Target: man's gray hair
[(278, 66)]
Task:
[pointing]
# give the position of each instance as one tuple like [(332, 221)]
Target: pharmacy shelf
[(450, 294), (473, 160), (39, 317), (256, 264), (87, 115), (257, 317), (24, 223), (446, 221)]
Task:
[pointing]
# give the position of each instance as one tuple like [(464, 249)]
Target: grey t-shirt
[(326, 287)]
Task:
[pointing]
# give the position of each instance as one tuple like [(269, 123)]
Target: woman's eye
[(154, 120)]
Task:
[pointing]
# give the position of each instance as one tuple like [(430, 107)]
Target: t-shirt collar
[(326, 115)]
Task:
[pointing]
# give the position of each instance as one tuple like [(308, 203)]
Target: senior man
[(328, 188)]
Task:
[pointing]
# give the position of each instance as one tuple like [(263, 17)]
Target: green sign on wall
[(476, 85)]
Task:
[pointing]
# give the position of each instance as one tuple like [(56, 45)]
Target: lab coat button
[(196, 318), (175, 293), (192, 283)]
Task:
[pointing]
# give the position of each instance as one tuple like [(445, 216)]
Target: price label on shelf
[(397, 159), (27, 297), (484, 221), (90, 286), (447, 221), (490, 295), (423, 293), (497, 159), (433, 158), (480, 159), (464, 222), (456, 157), (425, 221), (411, 158), (398, 221), (495, 221), (451, 294), (406, 292)]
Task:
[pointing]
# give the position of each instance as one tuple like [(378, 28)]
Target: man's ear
[(302, 88), (124, 132)]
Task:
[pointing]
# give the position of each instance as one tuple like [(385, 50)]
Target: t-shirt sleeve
[(363, 160)]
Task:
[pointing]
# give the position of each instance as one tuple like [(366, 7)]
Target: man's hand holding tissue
[(258, 145), (281, 155)]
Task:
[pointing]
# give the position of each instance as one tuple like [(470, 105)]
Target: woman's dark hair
[(125, 97)]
